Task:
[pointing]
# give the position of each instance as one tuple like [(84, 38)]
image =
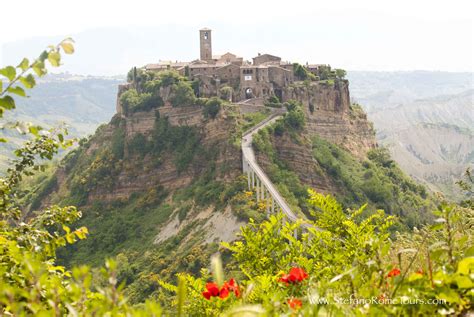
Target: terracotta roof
[(155, 66), (202, 66), (270, 55), (226, 65), (279, 67)]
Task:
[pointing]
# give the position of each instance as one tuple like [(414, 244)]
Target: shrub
[(118, 143), (212, 107), (226, 93), (195, 86), (324, 72), (132, 102), (294, 118), (129, 99), (139, 145), (182, 95)]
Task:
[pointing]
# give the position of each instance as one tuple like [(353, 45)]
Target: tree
[(300, 71), (340, 73)]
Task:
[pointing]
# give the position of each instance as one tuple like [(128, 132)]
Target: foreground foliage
[(30, 281), (341, 264)]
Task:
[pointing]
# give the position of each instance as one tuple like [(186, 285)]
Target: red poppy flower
[(295, 275), (394, 272), (224, 292), (294, 303), (420, 271), (232, 286), (211, 290)]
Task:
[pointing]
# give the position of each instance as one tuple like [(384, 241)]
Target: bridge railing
[(257, 179)]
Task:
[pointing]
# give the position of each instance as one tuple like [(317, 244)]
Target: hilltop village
[(266, 81), (267, 75)]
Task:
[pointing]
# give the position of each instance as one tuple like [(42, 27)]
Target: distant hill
[(426, 119), (380, 90), (79, 102)]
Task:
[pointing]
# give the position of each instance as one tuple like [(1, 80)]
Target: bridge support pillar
[(248, 179), (257, 189), (268, 202)]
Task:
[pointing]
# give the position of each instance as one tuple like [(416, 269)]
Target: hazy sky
[(355, 34)]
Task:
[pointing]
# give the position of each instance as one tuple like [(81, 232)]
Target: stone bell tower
[(205, 44)]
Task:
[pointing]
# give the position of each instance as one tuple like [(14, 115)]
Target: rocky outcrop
[(329, 114), (298, 158)]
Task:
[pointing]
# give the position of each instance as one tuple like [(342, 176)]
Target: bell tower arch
[(205, 41)]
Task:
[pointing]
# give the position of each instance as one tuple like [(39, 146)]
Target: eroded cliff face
[(330, 115), (140, 174), (297, 156)]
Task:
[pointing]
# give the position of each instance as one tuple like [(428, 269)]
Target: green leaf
[(80, 234), (39, 68), (67, 47), (54, 58), (28, 81), (7, 102), (67, 229), (9, 72), (449, 295), (25, 63), (466, 265), (470, 251), (464, 282), (414, 277), (2, 140), (43, 56), (60, 137), (70, 238), (17, 91)]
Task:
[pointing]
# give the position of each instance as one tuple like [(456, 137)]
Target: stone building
[(267, 75), (205, 42), (262, 59)]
